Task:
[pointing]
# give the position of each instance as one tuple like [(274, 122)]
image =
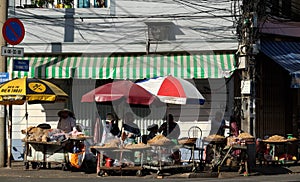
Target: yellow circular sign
[(37, 87)]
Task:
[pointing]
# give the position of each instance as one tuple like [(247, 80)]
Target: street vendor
[(110, 128), (66, 120), (234, 129), (153, 129), (130, 130), (218, 124), (170, 128)]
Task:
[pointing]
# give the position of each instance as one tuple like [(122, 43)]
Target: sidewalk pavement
[(17, 170)]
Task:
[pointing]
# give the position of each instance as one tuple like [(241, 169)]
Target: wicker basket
[(187, 141)]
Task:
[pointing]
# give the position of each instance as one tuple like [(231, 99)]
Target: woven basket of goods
[(108, 146), (137, 146), (292, 139), (231, 140), (159, 140), (214, 138), (246, 137), (276, 139), (187, 141)]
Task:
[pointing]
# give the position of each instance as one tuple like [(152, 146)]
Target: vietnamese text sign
[(20, 65), (12, 51), (245, 87), (4, 76)]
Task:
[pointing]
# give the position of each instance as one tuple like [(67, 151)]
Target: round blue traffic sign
[(13, 31)]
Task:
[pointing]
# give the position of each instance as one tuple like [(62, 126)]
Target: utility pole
[(247, 52), (3, 17)]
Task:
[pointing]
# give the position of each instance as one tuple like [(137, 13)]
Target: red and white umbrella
[(173, 90), (133, 93)]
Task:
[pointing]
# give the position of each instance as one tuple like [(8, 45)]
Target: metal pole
[(9, 141), (3, 17)]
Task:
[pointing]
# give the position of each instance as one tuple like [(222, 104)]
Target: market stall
[(161, 156), (214, 150), (27, 91), (40, 154), (231, 152), (277, 149), (115, 158), (46, 146)]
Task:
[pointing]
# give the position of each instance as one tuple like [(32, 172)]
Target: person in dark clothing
[(170, 128), (112, 119), (218, 124), (130, 130), (153, 129)]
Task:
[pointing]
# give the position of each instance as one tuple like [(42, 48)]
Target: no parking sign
[(13, 31)]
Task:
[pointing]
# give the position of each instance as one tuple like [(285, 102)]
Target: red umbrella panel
[(173, 90), (133, 93)]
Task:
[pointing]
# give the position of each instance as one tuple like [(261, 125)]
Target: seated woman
[(110, 129)]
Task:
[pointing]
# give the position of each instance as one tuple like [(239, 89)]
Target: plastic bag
[(76, 159)]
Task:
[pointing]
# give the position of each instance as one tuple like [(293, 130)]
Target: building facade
[(84, 44), (270, 46)]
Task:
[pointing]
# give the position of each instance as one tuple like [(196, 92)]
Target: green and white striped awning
[(129, 67)]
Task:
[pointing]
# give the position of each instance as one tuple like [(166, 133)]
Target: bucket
[(108, 162), (289, 136)]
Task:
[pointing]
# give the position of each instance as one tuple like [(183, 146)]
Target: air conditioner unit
[(159, 32)]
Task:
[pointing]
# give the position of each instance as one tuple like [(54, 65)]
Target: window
[(159, 31), (60, 4), (83, 3), (100, 3), (92, 3)]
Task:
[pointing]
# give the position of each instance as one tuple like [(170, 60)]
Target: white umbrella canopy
[(173, 90)]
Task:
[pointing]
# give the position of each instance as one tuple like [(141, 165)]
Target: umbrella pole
[(9, 143), (26, 117), (167, 118)]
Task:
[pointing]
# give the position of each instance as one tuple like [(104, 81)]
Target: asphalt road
[(271, 178), (17, 173)]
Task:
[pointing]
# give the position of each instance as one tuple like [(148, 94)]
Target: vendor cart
[(214, 150), (119, 159), (160, 160), (42, 154), (280, 151), (233, 154), (241, 158)]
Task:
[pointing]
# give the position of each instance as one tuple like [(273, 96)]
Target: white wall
[(123, 28)]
